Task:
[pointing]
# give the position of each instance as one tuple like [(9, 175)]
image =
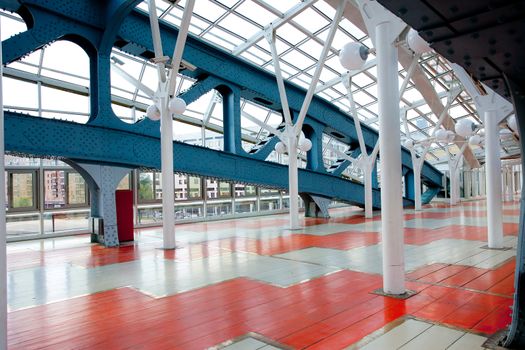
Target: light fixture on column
[(409, 143), (512, 123), (417, 43), (353, 55), (474, 140), (464, 127), (441, 135), (304, 144), (153, 113), (177, 105), (280, 147)]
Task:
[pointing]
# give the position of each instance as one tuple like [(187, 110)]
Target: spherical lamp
[(441, 135), (474, 140), (512, 123), (417, 43), (302, 136), (280, 147), (353, 56), (464, 128), (177, 105), (153, 113), (450, 135), (305, 145)]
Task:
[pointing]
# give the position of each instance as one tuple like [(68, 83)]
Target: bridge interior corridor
[(249, 284)]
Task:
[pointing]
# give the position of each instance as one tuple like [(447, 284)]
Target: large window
[(218, 189), (76, 189), (146, 187), (181, 187), (125, 183), (20, 190), (54, 189), (245, 190), (47, 197), (64, 188), (194, 187)]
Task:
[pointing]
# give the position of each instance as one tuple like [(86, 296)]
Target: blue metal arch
[(233, 77)]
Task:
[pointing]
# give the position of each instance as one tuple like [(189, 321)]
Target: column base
[(407, 294), (174, 248), (502, 248)]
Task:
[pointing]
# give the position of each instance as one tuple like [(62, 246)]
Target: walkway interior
[(249, 284)]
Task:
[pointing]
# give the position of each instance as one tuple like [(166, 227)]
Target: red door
[(124, 204)]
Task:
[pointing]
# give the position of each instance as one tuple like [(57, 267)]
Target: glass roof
[(230, 24)]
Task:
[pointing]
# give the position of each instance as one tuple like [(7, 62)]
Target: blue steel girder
[(10, 5), (47, 28), (53, 20), (93, 144), (257, 84)]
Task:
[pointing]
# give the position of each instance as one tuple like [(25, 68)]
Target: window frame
[(34, 190)]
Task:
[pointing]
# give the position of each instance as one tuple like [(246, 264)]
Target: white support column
[(3, 233), (166, 90), (417, 165), (168, 190), (467, 183), (493, 171), (509, 196), (293, 181), (475, 174), (367, 170), (391, 195), (453, 183), (511, 183), (482, 182), (417, 189)]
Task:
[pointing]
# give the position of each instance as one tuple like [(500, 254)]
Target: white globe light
[(153, 113), (512, 123), (417, 43), (353, 56), (409, 144), (280, 147), (301, 137), (441, 135), (305, 145), (451, 135), (464, 127), (177, 105), (474, 140)]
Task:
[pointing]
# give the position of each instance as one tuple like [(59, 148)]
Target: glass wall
[(47, 197), (43, 198), (201, 198)]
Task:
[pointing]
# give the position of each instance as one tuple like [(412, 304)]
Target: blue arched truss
[(98, 27)]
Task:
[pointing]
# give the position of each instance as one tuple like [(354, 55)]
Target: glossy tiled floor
[(250, 284)]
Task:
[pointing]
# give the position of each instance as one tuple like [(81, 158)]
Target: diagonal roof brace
[(419, 78)]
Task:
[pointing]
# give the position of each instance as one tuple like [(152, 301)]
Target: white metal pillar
[(293, 181), (507, 184), (493, 171), (510, 184), (3, 233), (367, 170), (453, 184), (475, 182), (168, 191), (166, 90), (417, 165), (390, 139), (467, 183), (482, 181)]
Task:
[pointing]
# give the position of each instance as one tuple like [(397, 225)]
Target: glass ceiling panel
[(230, 23)]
